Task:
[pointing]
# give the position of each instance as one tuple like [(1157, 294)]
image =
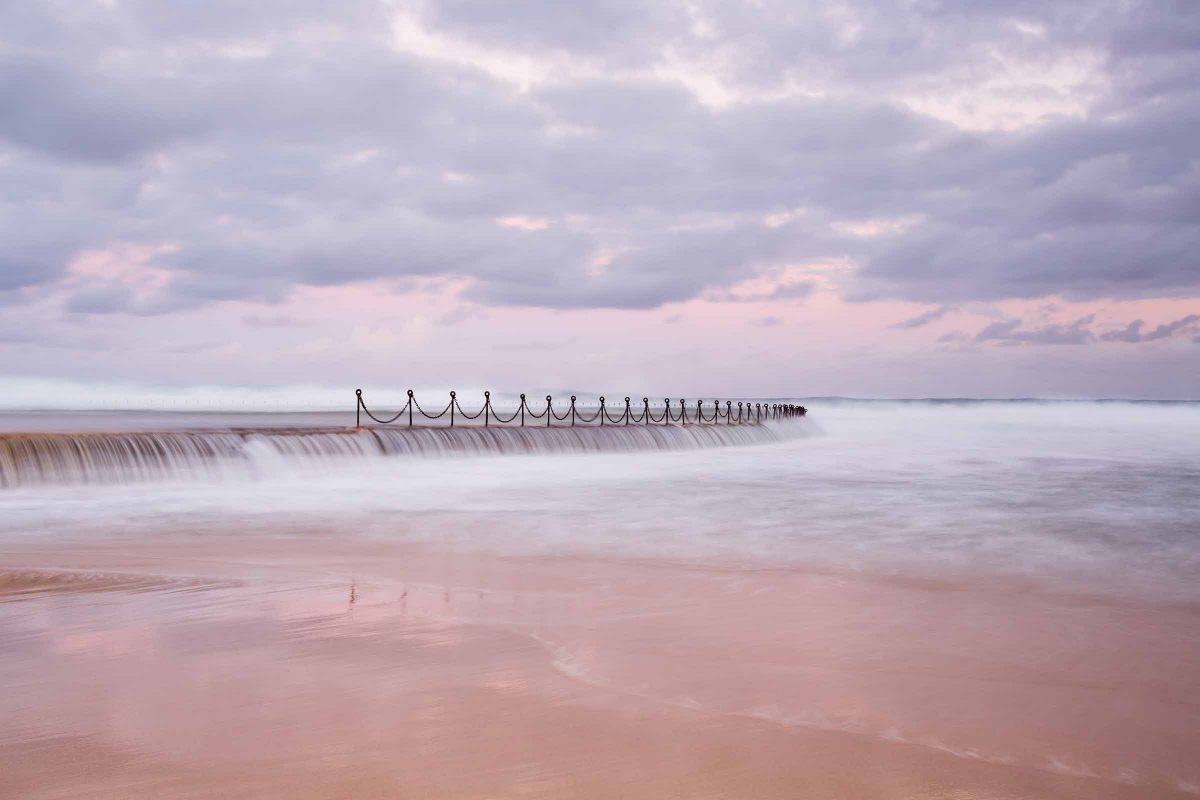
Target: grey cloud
[(1134, 331), (1014, 332), (1131, 333), (862, 44), (105, 299), (116, 298), (1186, 324), (595, 29), (933, 315), (953, 336), (1011, 332), (323, 156), (45, 106)]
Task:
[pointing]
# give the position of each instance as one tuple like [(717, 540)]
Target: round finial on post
[(547, 398), (522, 396), (601, 399), (627, 399), (487, 394), (572, 398), (358, 392)]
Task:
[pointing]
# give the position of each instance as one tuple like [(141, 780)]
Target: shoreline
[(548, 643)]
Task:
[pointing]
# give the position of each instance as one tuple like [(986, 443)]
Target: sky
[(774, 198)]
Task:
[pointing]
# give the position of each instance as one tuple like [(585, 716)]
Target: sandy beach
[(319, 665)]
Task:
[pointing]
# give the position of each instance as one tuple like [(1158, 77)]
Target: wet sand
[(323, 666)]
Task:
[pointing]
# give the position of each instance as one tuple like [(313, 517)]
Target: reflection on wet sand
[(336, 668)]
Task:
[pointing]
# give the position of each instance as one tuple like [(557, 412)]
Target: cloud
[(1134, 331), (952, 337), (1011, 332), (794, 290), (925, 318), (295, 144)]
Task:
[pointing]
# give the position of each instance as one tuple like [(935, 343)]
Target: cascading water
[(63, 458)]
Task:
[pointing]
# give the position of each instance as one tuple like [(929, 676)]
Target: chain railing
[(746, 413)]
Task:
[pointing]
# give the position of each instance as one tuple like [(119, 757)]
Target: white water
[(1097, 497), (119, 457)]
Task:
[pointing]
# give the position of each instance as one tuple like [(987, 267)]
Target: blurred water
[(1096, 497)]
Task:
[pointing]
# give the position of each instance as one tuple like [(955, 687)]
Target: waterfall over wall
[(29, 459)]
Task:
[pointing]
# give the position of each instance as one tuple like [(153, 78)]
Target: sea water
[(1095, 496)]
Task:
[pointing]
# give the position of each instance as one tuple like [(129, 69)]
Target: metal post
[(645, 411), (572, 411), (549, 412), (682, 412), (487, 407), (666, 411), (602, 411), (452, 409), (522, 411), (358, 408), (627, 414)]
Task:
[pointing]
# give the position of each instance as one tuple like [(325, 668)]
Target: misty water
[(1092, 497)]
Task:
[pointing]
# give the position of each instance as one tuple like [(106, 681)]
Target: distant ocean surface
[(1093, 497)]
